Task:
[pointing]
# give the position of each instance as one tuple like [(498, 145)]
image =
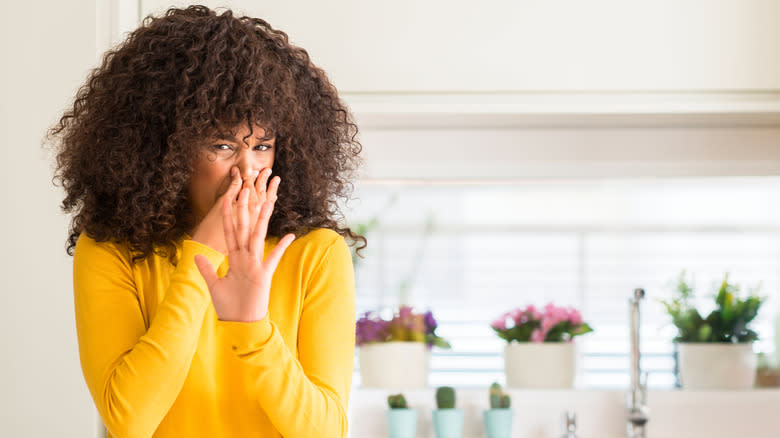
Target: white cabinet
[(453, 46)]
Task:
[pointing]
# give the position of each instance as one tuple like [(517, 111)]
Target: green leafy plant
[(727, 323), (498, 398), (397, 401), (445, 397)]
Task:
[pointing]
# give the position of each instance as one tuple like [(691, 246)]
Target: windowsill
[(600, 413)]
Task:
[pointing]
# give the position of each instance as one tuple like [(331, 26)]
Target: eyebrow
[(235, 139)]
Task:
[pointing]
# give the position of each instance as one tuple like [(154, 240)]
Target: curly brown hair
[(127, 146)]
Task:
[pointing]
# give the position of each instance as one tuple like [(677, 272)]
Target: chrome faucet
[(637, 397), (570, 425)]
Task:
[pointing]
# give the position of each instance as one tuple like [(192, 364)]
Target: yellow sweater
[(158, 362)]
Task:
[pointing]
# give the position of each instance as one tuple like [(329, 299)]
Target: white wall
[(47, 48)]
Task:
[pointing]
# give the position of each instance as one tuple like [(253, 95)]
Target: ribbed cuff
[(247, 337), (187, 271), (191, 248)]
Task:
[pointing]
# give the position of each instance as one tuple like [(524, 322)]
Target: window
[(471, 251)]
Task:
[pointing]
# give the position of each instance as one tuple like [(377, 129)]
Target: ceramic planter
[(540, 364), (498, 423), (716, 365), (402, 423), (448, 423), (394, 365)]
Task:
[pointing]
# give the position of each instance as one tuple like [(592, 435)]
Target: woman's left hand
[(243, 293)]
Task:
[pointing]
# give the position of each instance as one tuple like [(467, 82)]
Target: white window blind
[(493, 247)]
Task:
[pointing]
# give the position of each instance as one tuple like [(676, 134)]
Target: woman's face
[(211, 173)]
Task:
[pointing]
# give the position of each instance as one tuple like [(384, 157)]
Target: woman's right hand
[(210, 230)]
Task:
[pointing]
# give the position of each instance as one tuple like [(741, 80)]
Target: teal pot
[(402, 423), (498, 423), (448, 423)]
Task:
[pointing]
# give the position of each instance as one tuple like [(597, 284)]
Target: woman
[(205, 138)]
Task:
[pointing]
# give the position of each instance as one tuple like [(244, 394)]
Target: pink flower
[(548, 323), (537, 336), (499, 323), (574, 317), (517, 316), (533, 313)]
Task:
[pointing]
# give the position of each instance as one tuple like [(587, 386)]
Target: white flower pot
[(394, 365), (540, 365), (716, 365)]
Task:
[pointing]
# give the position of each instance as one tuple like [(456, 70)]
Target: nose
[(247, 163)]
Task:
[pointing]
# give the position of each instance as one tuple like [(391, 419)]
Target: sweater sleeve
[(135, 374), (306, 396)]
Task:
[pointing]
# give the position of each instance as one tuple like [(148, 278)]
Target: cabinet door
[(531, 45)]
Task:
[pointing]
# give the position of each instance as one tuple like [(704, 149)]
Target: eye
[(262, 147), (221, 147)]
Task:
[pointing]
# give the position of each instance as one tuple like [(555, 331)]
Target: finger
[(273, 258), (249, 183), (273, 188), (255, 201), (228, 224), (257, 242), (206, 269), (235, 184), (242, 230), (262, 182)]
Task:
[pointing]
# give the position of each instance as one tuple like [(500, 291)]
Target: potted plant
[(447, 419), (716, 351), (401, 421), (396, 353), (498, 419), (540, 352)]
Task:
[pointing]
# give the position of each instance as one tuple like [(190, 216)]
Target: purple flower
[(370, 328), (406, 326), (430, 322)]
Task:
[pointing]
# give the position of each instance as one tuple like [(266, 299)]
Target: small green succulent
[(445, 397), (498, 398), (397, 401)]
